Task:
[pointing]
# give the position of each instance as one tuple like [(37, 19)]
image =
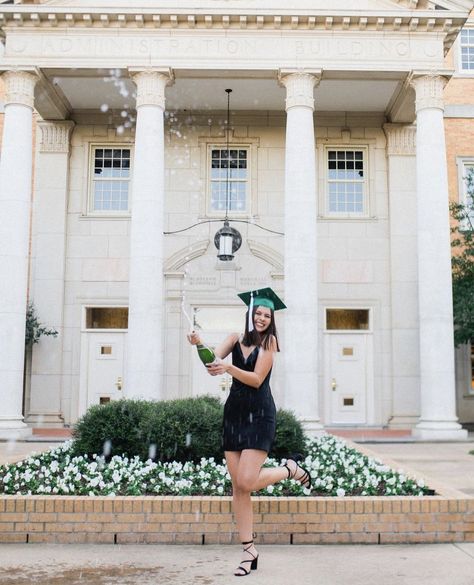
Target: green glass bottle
[(206, 355)]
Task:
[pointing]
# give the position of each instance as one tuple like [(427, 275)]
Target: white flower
[(340, 492), (270, 489)]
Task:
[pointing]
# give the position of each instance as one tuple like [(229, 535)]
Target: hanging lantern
[(227, 240)]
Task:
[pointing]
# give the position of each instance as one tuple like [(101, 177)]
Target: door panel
[(346, 379), (106, 358)]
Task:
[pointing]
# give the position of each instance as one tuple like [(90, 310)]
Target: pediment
[(268, 6)]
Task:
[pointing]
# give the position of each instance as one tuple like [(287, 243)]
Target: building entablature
[(401, 17)]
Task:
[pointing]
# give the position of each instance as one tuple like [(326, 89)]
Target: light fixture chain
[(227, 182)]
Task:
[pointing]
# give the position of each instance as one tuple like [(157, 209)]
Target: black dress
[(249, 413)]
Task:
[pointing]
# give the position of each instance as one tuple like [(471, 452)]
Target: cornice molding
[(445, 22)]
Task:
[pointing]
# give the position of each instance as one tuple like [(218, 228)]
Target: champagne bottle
[(206, 355)]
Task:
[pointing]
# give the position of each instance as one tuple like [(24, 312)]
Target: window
[(347, 319), (110, 179), (466, 187), (467, 49), (106, 318), (346, 182), (229, 179)]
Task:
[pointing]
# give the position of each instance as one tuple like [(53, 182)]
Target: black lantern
[(227, 240)]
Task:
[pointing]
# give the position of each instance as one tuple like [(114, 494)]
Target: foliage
[(34, 329), (169, 430), (336, 469), (463, 265)]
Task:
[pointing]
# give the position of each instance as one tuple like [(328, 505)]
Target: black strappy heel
[(305, 479), (253, 561)]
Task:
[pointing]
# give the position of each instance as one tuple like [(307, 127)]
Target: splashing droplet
[(152, 451), (104, 108), (107, 448), (188, 439)]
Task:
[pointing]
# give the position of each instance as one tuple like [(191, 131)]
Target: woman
[(250, 414)]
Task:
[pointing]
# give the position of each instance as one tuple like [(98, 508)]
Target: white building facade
[(335, 147)]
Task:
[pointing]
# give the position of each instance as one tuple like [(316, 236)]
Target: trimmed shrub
[(114, 428), (290, 437), (169, 430), (186, 429)]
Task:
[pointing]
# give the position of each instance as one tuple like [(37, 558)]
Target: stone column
[(144, 374), (15, 205), (49, 252), (437, 384), (301, 267), (405, 374)]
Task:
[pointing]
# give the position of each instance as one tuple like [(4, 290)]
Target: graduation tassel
[(250, 322)]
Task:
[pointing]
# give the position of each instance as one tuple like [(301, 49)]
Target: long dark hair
[(254, 338)]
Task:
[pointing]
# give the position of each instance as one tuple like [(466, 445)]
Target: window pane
[(107, 318), (346, 179), (228, 166), (353, 319), (111, 163)]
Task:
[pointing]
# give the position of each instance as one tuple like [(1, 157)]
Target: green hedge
[(170, 430)]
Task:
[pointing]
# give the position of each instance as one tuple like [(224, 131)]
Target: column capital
[(401, 139), (55, 136), (429, 90), (151, 84), (299, 87), (20, 87)]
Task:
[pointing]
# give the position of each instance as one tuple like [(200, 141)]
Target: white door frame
[(370, 374), (83, 402)]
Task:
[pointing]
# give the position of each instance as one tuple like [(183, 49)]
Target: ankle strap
[(248, 542)]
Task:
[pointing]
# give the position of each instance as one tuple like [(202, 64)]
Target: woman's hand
[(217, 367), (194, 338)]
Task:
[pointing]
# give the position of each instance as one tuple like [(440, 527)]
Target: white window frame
[(109, 213), (464, 164), (366, 182), (460, 72), (233, 146)]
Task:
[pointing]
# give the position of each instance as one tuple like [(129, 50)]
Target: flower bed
[(336, 468)]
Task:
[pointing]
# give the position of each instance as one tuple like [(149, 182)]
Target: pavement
[(448, 466)]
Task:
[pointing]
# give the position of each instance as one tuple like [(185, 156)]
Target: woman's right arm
[(223, 349)]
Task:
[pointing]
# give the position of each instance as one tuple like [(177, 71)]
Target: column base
[(407, 421), (45, 420), (439, 431), (14, 430)]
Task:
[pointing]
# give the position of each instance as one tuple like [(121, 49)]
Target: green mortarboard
[(265, 297)]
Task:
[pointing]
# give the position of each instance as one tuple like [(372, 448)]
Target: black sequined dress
[(249, 413)]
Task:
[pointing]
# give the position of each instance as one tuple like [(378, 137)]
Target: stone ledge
[(208, 520)]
